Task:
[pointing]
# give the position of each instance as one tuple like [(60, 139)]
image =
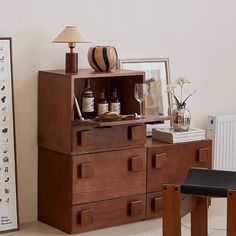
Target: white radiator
[(222, 131)]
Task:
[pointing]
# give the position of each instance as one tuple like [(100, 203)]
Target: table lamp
[(71, 35)]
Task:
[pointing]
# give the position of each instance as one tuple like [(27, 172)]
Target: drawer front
[(170, 163), (154, 205), (106, 175), (108, 213), (107, 138)]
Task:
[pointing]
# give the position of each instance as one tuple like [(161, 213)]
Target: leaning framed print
[(8, 178), (157, 71)]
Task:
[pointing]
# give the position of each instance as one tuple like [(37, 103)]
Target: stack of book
[(170, 136)]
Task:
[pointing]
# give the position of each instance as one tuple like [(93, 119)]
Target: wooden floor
[(217, 222)]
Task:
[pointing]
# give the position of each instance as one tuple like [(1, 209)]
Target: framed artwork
[(156, 70), (8, 183)]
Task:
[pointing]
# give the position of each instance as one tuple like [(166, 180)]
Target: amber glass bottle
[(102, 103), (115, 102)]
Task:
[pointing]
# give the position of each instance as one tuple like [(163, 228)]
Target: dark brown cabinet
[(98, 174)]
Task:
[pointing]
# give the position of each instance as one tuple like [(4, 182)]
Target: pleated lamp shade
[(71, 34)]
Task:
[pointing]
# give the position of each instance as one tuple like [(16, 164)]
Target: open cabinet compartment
[(125, 91)]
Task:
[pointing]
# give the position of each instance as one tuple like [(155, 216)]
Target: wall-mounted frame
[(8, 176), (158, 101)]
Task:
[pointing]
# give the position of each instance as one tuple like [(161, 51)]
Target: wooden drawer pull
[(86, 217), (160, 160), (138, 132), (86, 137), (156, 204), (87, 170), (203, 155), (136, 208), (137, 164)]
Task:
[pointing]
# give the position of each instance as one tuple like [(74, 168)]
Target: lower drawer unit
[(108, 213), (78, 193)]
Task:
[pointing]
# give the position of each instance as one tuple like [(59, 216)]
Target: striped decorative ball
[(102, 58)]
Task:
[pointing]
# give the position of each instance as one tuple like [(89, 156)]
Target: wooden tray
[(149, 119)]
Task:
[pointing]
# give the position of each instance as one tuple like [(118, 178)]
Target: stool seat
[(212, 183)]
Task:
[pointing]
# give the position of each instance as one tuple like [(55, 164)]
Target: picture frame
[(9, 220), (158, 101)]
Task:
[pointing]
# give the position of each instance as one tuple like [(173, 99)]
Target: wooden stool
[(200, 184)]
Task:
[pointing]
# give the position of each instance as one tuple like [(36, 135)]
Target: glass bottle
[(115, 102), (102, 103), (87, 102)]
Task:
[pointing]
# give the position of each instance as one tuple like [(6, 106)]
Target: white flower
[(171, 89), (181, 81)]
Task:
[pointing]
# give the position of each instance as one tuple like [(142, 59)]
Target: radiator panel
[(222, 131)]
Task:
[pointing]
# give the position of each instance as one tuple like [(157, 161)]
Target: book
[(170, 136)]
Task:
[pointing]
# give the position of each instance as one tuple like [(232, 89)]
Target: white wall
[(197, 36)]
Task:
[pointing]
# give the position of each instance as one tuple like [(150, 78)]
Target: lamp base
[(71, 62)]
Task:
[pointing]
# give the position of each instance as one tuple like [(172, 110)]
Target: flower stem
[(181, 95)]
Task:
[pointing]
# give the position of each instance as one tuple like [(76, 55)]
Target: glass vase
[(182, 119)]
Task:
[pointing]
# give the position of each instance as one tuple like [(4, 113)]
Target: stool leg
[(171, 210), (231, 213), (199, 218)]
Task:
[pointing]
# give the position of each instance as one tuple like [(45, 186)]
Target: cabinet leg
[(171, 210), (231, 212)]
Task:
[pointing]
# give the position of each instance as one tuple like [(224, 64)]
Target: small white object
[(78, 109)]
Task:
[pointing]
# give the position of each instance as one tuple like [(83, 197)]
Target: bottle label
[(102, 108), (115, 107), (88, 104)]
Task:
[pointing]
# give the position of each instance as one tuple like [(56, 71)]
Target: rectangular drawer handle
[(138, 132), (87, 170), (136, 208), (137, 164), (86, 137), (87, 217), (156, 204), (160, 160), (203, 155)]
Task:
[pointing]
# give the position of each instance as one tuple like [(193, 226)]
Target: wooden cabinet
[(95, 174), (169, 163)]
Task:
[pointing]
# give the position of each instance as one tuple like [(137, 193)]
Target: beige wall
[(197, 36)]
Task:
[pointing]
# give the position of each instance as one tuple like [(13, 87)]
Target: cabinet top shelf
[(89, 73)]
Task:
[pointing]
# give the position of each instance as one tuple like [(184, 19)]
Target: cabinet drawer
[(107, 138), (106, 175), (170, 163), (154, 205), (108, 213)]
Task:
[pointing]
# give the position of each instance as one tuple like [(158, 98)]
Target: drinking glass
[(140, 92)]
